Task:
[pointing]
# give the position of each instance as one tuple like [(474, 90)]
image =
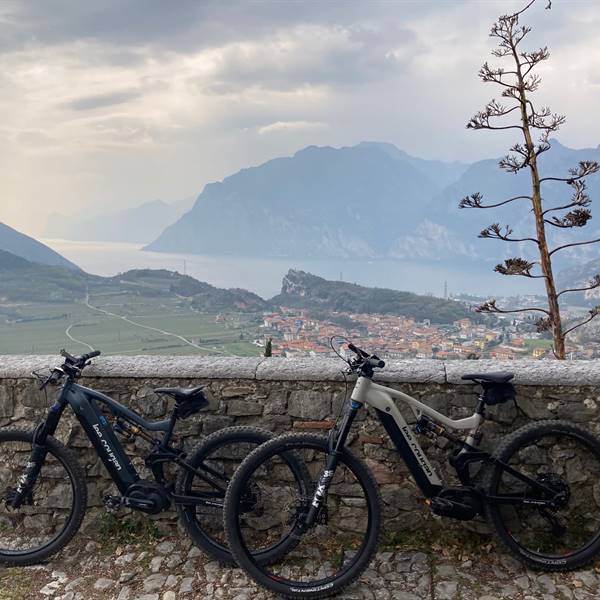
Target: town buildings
[(295, 333)]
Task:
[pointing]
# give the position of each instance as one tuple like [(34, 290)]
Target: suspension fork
[(335, 443), (37, 457)]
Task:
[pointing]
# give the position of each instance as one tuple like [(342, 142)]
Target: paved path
[(74, 339), (171, 569), (156, 329)]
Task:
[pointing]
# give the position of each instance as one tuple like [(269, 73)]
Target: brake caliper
[(323, 516), (13, 498)]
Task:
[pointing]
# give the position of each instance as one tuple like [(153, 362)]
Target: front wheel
[(51, 513), (565, 459), (334, 549)]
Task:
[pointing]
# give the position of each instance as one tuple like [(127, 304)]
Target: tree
[(269, 347), (518, 84)]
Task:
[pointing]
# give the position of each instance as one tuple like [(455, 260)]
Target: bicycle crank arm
[(197, 500), (519, 499), (139, 503)]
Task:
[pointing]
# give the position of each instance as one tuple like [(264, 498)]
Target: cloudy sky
[(112, 103)]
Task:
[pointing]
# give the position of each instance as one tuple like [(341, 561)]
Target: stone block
[(535, 408), (243, 408), (275, 403), (212, 423), (238, 391), (307, 404), (7, 403)]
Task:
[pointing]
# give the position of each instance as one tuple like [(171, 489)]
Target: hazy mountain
[(140, 224), (303, 290), (440, 172), (21, 281), (372, 200), (26, 247), (496, 185), (578, 276), (365, 201)]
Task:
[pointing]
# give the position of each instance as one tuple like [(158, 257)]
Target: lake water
[(263, 276)]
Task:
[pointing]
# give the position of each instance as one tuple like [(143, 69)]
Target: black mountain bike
[(539, 490), (43, 493)]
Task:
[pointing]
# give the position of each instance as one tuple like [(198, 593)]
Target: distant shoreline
[(263, 275)]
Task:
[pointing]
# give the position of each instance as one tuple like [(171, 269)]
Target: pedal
[(442, 507), (113, 503)]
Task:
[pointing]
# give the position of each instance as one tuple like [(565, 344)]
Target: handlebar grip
[(92, 354), (375, 361), (55, 377)]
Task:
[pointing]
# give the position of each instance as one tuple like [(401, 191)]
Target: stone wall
[(306, 395)]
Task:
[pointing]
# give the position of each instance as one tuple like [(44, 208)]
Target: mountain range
[(362, 201), (140, 224), (371, 201), (26, 247)]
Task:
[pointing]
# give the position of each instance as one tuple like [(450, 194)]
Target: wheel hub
[(10, 494), (250, 499), (561, 489)]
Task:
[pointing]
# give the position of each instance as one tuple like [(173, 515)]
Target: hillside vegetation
[(303, 290), (24, 281)]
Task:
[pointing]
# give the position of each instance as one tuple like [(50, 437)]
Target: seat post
[(480, 410), (167, 437)]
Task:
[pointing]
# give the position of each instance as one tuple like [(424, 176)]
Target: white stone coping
[(527, 372)]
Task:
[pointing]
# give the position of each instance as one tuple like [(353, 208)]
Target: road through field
[(74, 339), (161, 331)]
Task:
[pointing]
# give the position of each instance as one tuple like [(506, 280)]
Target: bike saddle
[(489, 377), (182, 394), (187, 400)]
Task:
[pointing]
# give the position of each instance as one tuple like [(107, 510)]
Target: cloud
[(290, 126), (113, 102), (102, 100)]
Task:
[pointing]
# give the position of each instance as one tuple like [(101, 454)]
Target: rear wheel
[(565, 458), (52, 513), (335, 550), (218, 456)]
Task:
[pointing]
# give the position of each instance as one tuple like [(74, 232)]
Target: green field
[(152, 327), (541, 343)]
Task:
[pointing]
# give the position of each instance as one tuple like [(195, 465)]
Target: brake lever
[(42, 380)]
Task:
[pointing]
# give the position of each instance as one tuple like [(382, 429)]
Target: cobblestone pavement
[(171, 569)]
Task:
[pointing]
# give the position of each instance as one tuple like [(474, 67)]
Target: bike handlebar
[(366, 358), (375, 361), (79, 361), (357, 350), (72, 367)]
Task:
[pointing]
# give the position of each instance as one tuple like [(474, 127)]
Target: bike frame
[(382, 398), (85, 404)]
